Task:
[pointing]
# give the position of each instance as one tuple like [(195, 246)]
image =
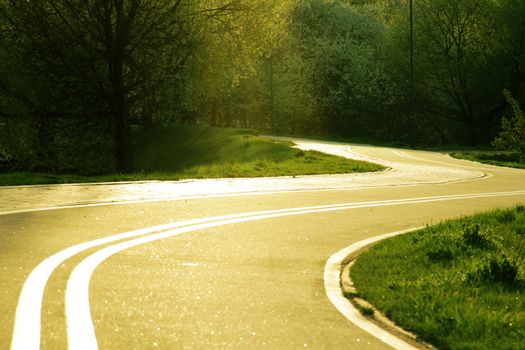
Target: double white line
[(80, 329)]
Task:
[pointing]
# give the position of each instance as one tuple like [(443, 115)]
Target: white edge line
[(483, 176), (80, 327), (27, 326), (332, 285), (236, 194), (189, 197), (26, 332)]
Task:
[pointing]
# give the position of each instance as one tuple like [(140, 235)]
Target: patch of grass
[(507, 159), (182, 152), (456, 285), (25, 178)]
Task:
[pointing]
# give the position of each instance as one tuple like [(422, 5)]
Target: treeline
[(79, 78)]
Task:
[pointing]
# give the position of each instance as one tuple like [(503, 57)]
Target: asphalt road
[(218, 264)]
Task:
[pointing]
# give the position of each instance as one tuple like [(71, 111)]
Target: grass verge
[(188, 152), (511, 160), (456, 285)]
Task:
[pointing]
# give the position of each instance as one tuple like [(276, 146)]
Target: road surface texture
[(215, 264)]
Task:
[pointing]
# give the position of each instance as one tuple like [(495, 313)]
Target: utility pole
[(272, 84), (272, 96), (412, 117)]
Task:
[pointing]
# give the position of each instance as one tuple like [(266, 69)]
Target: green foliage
[(494, 269), (473, 237), (105, 65), (7, 160), (350, 295), (335, 67), (512, 135), (438, 284), (507, 159), (366, 311), (440, 253), (507, 217), (341, 44), (462, 62)]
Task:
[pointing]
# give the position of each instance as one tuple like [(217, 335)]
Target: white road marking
[(81, 331), (409, 156), (185, 198), (332, 285), (336, 188), (27, 326), (188, 264), (26, 333)]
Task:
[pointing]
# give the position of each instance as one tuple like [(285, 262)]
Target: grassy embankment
[(511, 160), (456, 285), (184, 152)]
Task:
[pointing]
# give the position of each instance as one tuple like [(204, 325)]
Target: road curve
[(402, 170), (215, 263)]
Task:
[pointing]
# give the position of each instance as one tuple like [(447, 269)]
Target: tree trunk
[(123, 135), (118, 95)]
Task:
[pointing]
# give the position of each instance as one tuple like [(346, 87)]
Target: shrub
[(512, 135), (496, 268), (440, 253), (472, 236), (7, 160), (507, 216)]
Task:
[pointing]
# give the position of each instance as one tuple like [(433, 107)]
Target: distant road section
[(402, 170)]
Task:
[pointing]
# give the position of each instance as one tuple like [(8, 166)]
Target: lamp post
[(412, 117)]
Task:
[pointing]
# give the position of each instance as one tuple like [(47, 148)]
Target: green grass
[(456, 285), (189, 152), (511, 160)]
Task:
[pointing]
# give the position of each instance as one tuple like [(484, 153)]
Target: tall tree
[(462, 65), (98, 60), (341, 43)]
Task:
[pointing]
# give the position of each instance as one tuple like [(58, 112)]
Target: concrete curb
[(377, 317), (338, 283)]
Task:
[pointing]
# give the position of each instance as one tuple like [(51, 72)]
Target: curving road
[(215, 263)]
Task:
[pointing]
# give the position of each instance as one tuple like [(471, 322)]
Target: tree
[(465, 53), (512, 135), (98, 62), (341, 43), (506, 29)]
